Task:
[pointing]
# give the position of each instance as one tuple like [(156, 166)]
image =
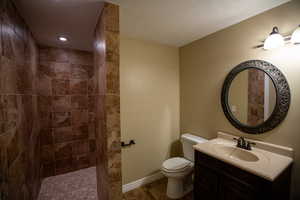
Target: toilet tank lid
[(193, 138)]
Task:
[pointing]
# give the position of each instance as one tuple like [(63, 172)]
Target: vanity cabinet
[(217, 180)]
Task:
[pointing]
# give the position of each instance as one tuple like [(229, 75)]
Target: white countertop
[(269, 164)]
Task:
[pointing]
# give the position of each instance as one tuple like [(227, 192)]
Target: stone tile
[(81, 132), (112, 47), (46, 69), (44, 85), (64, 165), (61, 103), (63, 150), (60, 87), (9, 76), (92, 157), (92, 101), (63, 134), (113, 82), (46, 137), (48, 169), (44, 103), (78, 87), (7, 38), (15, 173), (81, 161), (81, 58), (61, 119), (79, 117), (92, 145), (113, 116), (13, 149), (47, 153), (45, 119), (111, 17), (24, 80), (81, 71), (7, 129), (61, 70), (10, 107), (92, 117), (92, 130), (80, 147), (53, 54), (79, 102), (19, 124)]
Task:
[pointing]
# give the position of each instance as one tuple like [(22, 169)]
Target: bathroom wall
[(65, 102), (205, 63), (106, 89), (149, 106), (238, 96), (256, 97), (19, 120)]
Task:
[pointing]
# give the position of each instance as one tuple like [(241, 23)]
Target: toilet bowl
[(179, 173), (179, 170)]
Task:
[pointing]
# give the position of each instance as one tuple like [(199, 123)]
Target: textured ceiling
[(172, 22)]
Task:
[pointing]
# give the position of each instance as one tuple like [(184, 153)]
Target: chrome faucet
[(244, 144)]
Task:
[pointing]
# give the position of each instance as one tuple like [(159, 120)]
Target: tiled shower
[(59, 108), (68, 128)]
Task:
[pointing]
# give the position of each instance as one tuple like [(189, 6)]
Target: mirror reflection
[(252, 97)]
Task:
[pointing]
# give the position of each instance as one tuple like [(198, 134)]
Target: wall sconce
[(276, 40), (296, 36)]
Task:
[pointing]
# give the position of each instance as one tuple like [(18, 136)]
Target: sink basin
[(244, 155), (224, 149), (235, 153)]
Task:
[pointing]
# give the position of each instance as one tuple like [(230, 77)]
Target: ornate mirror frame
[(283, 96)]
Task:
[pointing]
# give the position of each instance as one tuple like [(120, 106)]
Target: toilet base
[(179, 187)]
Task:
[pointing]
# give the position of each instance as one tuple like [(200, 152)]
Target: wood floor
[(153, 191)]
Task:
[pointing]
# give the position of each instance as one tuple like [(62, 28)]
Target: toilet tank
[(188, 140)]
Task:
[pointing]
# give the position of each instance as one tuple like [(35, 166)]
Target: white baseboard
[(143, 181)]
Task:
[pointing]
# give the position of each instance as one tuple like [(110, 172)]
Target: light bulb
[(274, 40), (296, 36), (62, 39)]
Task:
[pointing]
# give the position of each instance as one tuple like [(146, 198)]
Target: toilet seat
[(176, 164)]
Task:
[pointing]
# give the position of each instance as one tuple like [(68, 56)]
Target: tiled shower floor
[(82, 185), (79, 185)]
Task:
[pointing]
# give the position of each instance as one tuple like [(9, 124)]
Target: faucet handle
[(239, 142), (249, 145), (243, 142)]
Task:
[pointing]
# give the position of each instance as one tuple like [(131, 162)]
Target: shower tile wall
[(256, 97), (19, 120), (106, 88), (68, 125)]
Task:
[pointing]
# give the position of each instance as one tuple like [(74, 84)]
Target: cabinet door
[(205, 184), (234, 190)]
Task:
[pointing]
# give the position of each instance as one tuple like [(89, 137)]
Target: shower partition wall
[(107, 95)]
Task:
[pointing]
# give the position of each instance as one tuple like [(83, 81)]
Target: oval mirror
[(255, 96), (252, 97)]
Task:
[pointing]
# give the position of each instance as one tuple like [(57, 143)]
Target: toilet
[(179, 170)]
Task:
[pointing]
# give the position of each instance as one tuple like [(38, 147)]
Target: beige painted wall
[(238, 96), (149, 105), (205, 63)]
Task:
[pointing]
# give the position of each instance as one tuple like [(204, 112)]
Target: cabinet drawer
[(232, 190)]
